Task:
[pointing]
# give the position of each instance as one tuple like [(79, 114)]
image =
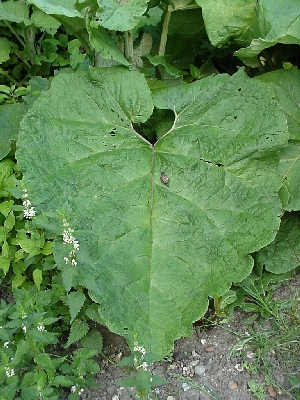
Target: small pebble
[(210, 349), (200, 369), (232, 385), (239, 368), (272, 392), (203, 341), (170, 398), (185, 386), (195, 354)]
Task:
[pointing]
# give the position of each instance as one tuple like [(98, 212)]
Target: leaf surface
[(120, 15), (283, 254), (10, 118), (151, 254), (275, 22), (227, 20), (287, 86), (66, 8)]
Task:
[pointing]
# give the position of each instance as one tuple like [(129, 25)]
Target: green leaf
[(289, 168), (120, 15), (286, 83), (37, 278), (226, 21), (10, 117), (160, 60), (44, 360), (17, 280), (5, 249), (23, 349), (283, 254), (47, 249), (10, 221), (44, 22), (30, 246), (66, 8), (92, 341), (6, 206), (14, 11), (77, 331), (136, 235), (4, 49), (8, 392), (105, 46), (75, 302), (273, 23), (287, 86), (61, 380), (69, 275), (93, 313)]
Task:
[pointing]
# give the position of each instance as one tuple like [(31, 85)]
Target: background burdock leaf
[(287, 86), (56, 7), (230, 24), (283, 254), (274, 22), (10, 117), (151, 254), (120, 15)]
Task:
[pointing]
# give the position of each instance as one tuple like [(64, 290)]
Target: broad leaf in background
[(120, 16), (57, 7), (14, 11), (4, 49), (105, 46), (227, 21), (10, 118), (275, 22), (283, 254), (149, 253), (287, 87)]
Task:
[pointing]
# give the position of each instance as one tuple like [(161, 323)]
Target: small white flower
[(24, 328), (68, 238), (76, 389), (26, 203), (41, 327), (144, 366), (28, 211), (5, 345), (9, 372)]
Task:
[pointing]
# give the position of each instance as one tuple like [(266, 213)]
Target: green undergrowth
[(149, 162), (270, 347)]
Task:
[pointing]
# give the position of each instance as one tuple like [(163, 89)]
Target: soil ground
[(203, 367)]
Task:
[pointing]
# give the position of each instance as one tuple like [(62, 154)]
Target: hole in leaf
[(160, 122), (239, 89)]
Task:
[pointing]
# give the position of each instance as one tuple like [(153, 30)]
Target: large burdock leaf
[(57, 7), (287, 87), (150, 253), (227, 21), (283, 254), (275, 22), (120, 15)]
